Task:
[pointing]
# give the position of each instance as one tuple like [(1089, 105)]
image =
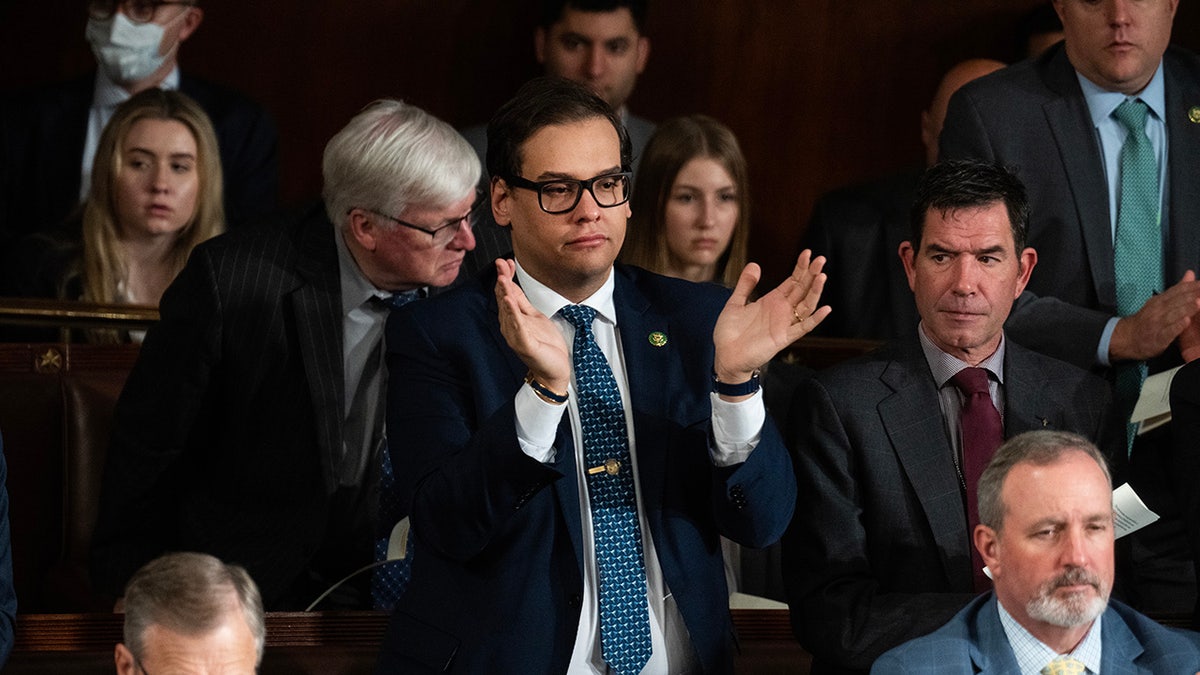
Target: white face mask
[(127, 51)]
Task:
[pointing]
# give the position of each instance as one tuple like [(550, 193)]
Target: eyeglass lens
[(558, 197)]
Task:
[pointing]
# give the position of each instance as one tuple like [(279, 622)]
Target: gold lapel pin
[(610, 466), (1194, 114), (658, 338)]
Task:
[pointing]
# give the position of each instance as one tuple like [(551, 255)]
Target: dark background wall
[(821, 93)]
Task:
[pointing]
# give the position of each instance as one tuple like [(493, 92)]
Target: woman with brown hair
[(691, 207)]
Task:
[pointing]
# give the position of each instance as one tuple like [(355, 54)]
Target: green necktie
[(1138, 248)]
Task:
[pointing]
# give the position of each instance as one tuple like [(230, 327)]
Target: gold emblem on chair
[(49, 361)]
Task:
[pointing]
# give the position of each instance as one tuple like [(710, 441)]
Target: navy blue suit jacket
[(42, 134), (498, 567), (974, 642)]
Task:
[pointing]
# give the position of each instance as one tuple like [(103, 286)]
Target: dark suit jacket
[(225, 433), (859, 230), (1033, 116), (1184, 464), (497, 570), (879, 550), (42, 133), (974, 642)]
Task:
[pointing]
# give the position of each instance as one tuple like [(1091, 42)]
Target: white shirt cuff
[(737, 428), (537, 424), (1105, 341)]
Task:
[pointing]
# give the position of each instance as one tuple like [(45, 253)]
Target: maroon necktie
[(982, 433)]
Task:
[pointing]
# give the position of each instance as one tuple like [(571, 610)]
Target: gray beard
[(1076, 609)]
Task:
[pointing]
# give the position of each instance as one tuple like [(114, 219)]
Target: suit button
[(574, 601), (737, 496)]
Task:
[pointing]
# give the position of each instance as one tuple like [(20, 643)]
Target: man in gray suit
[(879, 551), (251, 426), (597, 43), (1045, 503), (1057, 120)]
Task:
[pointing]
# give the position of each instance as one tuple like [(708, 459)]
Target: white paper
[(1129, 512), (1153, 407), (398, 541), (744, 601)]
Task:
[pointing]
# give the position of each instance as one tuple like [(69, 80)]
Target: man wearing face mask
[(48, 136)]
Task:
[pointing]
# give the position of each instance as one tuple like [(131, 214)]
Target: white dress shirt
[(736, 431)]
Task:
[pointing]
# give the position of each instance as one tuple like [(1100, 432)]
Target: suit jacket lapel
[(1120, 649), (566, 489), (990, 650), (1075, 136), (1183, 139), (912, 418), (317, 303), (648, 371)]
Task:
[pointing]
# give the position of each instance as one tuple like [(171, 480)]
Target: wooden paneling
[(821, 92)]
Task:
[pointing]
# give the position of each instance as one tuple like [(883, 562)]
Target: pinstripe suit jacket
[(878, 552), (974, 642), (225, 434)]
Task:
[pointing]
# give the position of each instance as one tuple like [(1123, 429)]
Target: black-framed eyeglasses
[(447, 230), (138, 11), (561, 195)]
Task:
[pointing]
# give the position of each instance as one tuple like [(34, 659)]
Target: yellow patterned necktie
[(1064, 665)]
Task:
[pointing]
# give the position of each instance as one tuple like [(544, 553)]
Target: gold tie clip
[(611, 466)]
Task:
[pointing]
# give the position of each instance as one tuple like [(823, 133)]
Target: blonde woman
[(155, 194)]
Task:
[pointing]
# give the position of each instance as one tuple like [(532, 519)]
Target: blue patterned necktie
[(389, 580), (624, 616), (1137, 250)]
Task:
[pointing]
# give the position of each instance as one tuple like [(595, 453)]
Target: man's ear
[(124, 660), (908, 259), (362, 229), (539, 44), (1027, 260), (191, 22), (501, 202), (988, 544), (643, 53)]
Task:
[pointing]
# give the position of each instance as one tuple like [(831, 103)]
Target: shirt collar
[(109, 94), (548, 302), (1032, 654), (945, 366), (356, 287), (1101, 102)]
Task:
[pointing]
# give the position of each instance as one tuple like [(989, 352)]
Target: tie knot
[(1064, 665), (1132, 114), (971, 381), (580, 316), (398, 300)]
